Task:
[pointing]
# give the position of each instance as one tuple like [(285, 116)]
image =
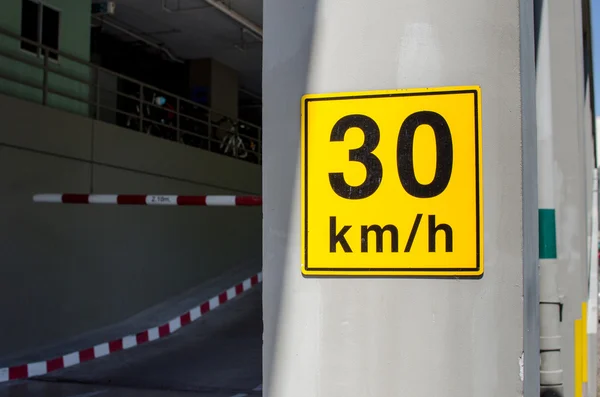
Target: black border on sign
[(396, 270)]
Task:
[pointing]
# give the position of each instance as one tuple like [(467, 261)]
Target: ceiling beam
[(252, 28)]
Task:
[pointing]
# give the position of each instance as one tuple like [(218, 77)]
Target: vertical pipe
[(45, 78), (142, 104), (210, 130), (551, 383), (260, 146), (97, 94), (577, 379), (178, 120)]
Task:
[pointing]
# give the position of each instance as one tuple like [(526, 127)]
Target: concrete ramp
[(148, 326), (219, 354)]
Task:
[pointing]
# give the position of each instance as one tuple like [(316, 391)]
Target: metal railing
[(60, 79)]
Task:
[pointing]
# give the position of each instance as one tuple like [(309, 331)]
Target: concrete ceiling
[(193, 29)]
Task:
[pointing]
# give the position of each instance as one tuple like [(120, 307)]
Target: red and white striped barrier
[(103, 349), (142, 199)]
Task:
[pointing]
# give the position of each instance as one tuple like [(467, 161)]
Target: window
[(29, 24), (41, 24)]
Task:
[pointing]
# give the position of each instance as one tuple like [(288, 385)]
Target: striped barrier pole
[(143, 199)]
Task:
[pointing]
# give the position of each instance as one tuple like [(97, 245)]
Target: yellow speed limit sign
[(392, 183)]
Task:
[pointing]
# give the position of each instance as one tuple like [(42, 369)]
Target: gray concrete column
[(592, 315), (570, 186), (357, 337), (220, 82)]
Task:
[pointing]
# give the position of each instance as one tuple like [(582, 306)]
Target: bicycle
[(232, 142)]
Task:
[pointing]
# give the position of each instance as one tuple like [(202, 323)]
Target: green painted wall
[(74, 39)]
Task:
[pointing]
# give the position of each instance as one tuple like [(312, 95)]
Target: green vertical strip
[(547, 224)]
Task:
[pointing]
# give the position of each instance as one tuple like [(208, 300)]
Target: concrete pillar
[(592, 315), (365, 336), (220, 83), (551, 383), (570, 186), (199, 78)]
